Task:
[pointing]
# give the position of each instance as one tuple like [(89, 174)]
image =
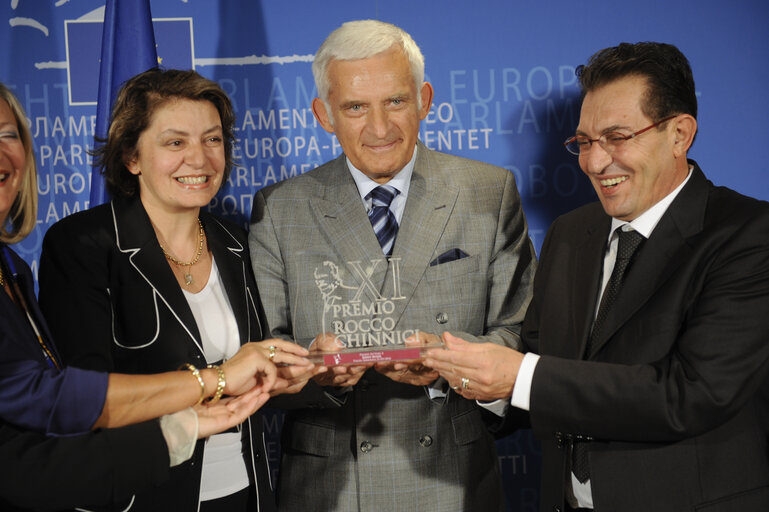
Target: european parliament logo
[(173, 40)]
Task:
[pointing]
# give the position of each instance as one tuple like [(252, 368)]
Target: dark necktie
[(629, 241), (382, 218)]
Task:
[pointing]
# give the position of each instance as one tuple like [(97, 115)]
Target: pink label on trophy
[(373, 356)]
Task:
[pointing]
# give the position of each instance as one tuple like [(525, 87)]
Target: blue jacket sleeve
[(34, 395), (55, 402)]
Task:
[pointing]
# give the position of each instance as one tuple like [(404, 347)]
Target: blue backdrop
[(505, 93)]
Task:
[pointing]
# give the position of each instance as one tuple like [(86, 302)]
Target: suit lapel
[(136, 238), (587, 272), (342, 219), (228, 253), (660, 256), (428, 208)]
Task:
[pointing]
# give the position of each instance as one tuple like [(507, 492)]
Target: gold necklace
[(188, 264), (2, 281)]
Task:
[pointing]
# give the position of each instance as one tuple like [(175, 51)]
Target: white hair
[(362, 39)]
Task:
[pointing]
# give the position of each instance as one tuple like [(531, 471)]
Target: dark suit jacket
[(385, 442), (52, 473), (55, 473), (670, 392), (114, 304)]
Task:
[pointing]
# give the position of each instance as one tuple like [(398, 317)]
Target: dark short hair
[(667, 71), (138, 99)]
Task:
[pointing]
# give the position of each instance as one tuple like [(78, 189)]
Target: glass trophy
[(361, 318)]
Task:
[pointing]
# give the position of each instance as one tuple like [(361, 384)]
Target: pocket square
[(450, 255)]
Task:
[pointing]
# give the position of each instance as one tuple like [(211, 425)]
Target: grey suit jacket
[(384, 441)]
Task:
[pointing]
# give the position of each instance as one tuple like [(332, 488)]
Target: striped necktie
[(382, 218)]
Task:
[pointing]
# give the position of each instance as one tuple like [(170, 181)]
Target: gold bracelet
[(220, 383), (196, 374)]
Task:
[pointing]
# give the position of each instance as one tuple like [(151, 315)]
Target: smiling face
[(12, 160), (374, 112), (641, 171), (180, 157)]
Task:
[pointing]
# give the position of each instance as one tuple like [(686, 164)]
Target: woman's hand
[(295, 377), (293, 369), (252, 365), (228, 412), (182, 428)]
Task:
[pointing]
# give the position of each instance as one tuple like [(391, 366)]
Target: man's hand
[(341, 375), (412, 372), (489, 370)]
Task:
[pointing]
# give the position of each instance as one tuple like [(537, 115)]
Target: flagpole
[(127, 49)]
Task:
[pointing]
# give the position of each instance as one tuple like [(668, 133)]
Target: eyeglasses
[(580, 144)]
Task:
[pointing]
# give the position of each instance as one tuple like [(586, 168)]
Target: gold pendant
[(187, 278)]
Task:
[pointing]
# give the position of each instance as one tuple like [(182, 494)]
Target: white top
[(215, 319), (224, 468)]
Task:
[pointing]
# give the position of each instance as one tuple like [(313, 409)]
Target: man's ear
[(426, 94), (322, 115), (685, 127)]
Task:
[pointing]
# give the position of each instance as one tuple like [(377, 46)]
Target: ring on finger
[(273, 350), (465, 383)]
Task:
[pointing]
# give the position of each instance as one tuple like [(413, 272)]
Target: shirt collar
[(400, 181), (648, 220)]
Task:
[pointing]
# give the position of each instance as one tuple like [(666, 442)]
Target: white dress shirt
[(400, 181)]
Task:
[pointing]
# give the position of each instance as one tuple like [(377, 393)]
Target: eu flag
[(127, 48)]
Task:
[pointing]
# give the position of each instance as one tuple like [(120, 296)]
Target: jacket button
[(425, 440), (362, 385), (441, 318), (366, 446)]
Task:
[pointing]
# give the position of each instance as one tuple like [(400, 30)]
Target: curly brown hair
[(138, 100)]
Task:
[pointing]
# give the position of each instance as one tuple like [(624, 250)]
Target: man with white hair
[(433, 242)]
